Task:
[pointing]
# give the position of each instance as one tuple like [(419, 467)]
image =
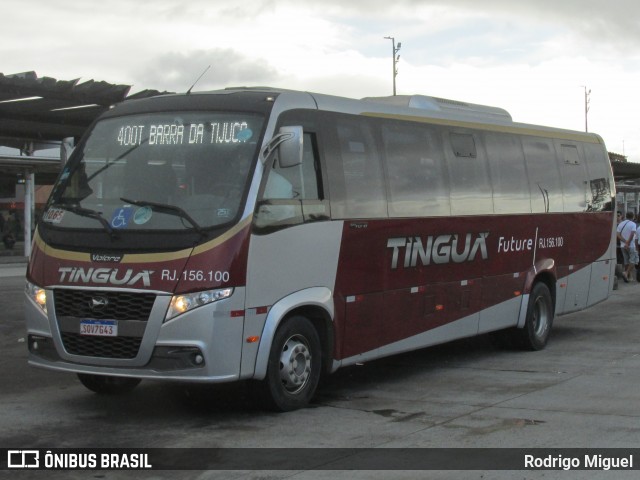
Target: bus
[(273, 236)]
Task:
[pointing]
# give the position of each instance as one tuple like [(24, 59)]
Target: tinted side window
[(416, 173), (544, 176), (293, 195), (574, 178), (356, 172), (301, 181), (468, 174), (599, 170), (508, 174)]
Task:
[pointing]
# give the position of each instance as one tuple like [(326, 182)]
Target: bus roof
[(452, 107), (420, 108)]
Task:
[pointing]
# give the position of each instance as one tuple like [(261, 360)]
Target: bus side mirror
[(290, 150), (288, 145)]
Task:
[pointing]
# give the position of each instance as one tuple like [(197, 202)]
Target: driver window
[(300, 181), (293, 195)]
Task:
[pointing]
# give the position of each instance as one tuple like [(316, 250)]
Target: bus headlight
[(183, 303), (37, 295)]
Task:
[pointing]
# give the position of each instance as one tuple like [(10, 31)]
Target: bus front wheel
[(294, 366), (106, 385)]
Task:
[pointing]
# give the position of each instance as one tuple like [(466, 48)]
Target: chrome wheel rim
[(295, 364)]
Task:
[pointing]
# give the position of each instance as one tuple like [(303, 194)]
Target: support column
[(29, 208)]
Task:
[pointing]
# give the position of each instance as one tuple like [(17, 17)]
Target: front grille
[(130, 310), (120, 305), (104, 347)]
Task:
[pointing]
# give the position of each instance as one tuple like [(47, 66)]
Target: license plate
[(99, 328)]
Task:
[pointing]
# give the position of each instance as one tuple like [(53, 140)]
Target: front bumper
[(202, 345)]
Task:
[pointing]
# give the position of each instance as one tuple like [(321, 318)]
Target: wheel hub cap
[(295, 365)]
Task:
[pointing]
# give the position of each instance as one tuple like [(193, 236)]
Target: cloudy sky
[(532, 57)]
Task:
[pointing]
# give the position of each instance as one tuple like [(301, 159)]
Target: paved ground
[(581, 391)]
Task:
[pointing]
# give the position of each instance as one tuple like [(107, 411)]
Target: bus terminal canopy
[(38, 112)]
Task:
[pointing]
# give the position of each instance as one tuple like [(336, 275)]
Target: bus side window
[(468, 174), (416, 175), (601, 195), (574, 179), (544, 176), (293, 195), (508, 173), (357, 166)]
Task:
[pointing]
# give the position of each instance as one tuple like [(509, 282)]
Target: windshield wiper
[(168, 209), (115, 160), (87, 212)]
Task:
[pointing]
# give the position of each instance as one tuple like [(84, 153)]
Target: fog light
[(176, 358), (42, 347)]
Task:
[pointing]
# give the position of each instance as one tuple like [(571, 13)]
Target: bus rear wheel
[(294, 366), (537, 327), (107, 385)]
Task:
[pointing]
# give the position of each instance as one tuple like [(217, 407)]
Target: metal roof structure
[(36, 112), (624, 171)]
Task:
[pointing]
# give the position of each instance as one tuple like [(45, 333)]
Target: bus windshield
[(161, 171)]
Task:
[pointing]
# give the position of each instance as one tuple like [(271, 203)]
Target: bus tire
[(294, 366), (107, 385), (537, 328)]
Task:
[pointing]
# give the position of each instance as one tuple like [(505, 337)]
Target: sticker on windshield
[(53, 215), (142, 215), (244, 135), (224, 212), (121, 217)]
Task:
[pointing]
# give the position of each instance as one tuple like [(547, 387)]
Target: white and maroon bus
[(272, 235)]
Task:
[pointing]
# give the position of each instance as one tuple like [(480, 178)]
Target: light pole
[(587, 100), (395, 57)]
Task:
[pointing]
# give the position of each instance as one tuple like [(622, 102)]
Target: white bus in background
[(272, 236)]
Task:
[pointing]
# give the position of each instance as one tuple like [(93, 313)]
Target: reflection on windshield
[(167, 171), (85, 212), (165, 208)]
